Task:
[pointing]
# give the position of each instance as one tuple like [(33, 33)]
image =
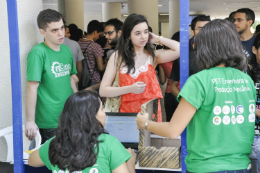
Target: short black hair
[(176, 36), (250, 14), (219, 42), (200, 18), (116, 23), (47, 16), (231, 15), (76, 35), (94, 25), (257, 29), (73, 27)]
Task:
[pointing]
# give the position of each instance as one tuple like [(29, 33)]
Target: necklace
[(139, 63), (89, 39)]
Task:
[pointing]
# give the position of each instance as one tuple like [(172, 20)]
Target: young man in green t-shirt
[(50, 72)]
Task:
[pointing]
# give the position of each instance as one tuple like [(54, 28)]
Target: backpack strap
[(87, 63)]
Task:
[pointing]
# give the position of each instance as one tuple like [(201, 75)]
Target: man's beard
[(114, 41), (243, 30)]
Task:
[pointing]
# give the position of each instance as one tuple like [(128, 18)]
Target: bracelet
[(146, 124), (159, 42)]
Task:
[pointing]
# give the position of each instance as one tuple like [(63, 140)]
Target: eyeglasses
[(238, 19), (198, 29), (109, 32)]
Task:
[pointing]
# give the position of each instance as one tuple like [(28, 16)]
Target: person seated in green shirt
[(217, 105), (81, 144), (50, 77)]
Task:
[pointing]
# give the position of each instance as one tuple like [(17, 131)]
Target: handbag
[(113, 103)]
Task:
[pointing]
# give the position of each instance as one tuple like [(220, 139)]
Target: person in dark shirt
[(243, 20), (257, 30), (254, 73), (113, 31), (196, 24)]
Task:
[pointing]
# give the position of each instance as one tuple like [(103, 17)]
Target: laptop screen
[(124, 128)]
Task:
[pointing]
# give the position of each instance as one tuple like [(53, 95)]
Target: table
[(157, 170)]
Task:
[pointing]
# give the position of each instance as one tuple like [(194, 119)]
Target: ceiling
[(215, 8)]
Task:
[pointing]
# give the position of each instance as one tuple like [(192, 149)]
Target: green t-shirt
[(111, 155), (221, 132), (53, 70)]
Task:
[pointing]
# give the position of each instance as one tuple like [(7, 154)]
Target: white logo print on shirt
[(60, 70), (61, 171)]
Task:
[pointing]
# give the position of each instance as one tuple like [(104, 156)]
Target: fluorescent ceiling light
[(164, 14), (160, 5), (125, 15), (50, 4), (235, 3)]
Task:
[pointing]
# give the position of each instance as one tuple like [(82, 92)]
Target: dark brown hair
[(47, 16), (77, 134), (255, 66), (219, 42), (125, 47)]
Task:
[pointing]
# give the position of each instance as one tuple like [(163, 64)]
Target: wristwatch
[(146, 124)]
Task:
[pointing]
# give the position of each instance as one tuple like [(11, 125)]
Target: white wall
[(88, 17), (29, 36), (165, 30), (75, 12), (5, 87)]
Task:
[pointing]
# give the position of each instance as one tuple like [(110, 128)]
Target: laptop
[(123, 126)]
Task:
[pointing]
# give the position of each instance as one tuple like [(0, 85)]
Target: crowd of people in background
[(130, 55)]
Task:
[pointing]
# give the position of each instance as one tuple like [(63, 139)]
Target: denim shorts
[(255, 156)]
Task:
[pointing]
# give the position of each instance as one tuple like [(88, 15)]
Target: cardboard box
[(157, 152)]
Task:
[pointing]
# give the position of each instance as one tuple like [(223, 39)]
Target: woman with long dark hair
[(81, 144), (137, 58), (217, 105), (254, 73)]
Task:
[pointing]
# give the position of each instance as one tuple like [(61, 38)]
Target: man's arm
[(94, 87), (31, 98), (162, 76), (73, 80), (100, 65), (257, 112), (79, 69), (174, 88)]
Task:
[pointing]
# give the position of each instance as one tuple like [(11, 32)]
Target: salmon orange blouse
[(146, 73)]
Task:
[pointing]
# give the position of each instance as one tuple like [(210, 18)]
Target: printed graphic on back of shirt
[(61, 171), (228, 113), (59, 70)]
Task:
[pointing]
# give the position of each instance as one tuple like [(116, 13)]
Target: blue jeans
[(255, 156), (237, 171)]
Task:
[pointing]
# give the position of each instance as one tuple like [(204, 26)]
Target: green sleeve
[(193, 92), (44, 154), (73, 67), (118, 154), (35, 64)]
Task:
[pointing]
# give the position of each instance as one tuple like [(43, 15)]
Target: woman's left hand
[(141, 120), (153, 38)]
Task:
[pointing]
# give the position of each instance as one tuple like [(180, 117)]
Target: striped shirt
[(93, 52)]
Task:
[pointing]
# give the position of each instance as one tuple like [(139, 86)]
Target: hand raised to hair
[(153, 38)]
